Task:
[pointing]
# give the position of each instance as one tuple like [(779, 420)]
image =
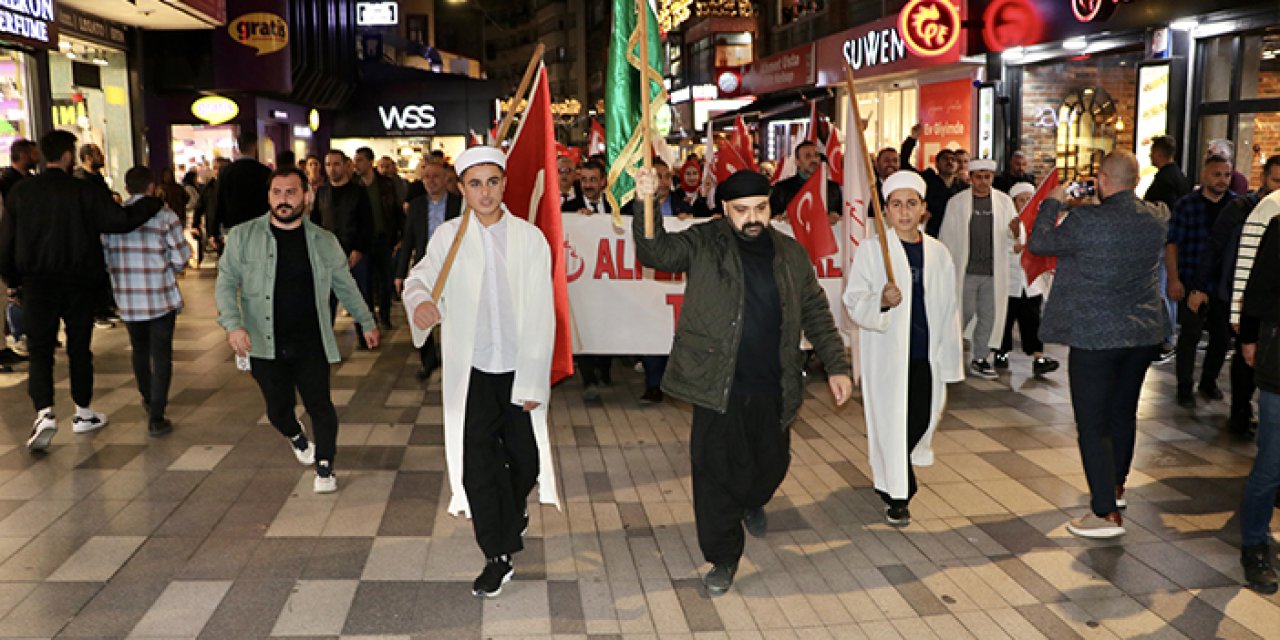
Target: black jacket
[(391, 213), (51, 227), (577, 204), (1217, 271), (1168, 186), (96, 179), (785, 190), (345, 212), (936, 194), (10, 177), (242, 194), (416, 232), (1005, 181), (1260, 319)]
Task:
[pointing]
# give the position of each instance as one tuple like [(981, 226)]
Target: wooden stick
[(438, 288), (871, 176), (646, 130)]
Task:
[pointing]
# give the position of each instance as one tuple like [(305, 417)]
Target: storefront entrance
[(1238, 90)]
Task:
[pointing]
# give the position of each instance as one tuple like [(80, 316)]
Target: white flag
[(857, 204)]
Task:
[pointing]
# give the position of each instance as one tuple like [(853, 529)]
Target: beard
[(750, 231), (286, 214)]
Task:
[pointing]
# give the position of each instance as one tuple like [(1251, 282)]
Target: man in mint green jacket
[(274, 282)]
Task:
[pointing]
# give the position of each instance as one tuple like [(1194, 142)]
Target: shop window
[(1239, 85), (1086, 132), (795, 10), (15, 120), (1256, 137)]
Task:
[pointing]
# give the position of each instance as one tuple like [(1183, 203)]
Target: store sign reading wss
[(413, 117)]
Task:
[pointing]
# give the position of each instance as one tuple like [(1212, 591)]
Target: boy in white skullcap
[(904, 398), (1025, 299), (498, 324)]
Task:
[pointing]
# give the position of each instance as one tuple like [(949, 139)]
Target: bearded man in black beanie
[(736, 357)]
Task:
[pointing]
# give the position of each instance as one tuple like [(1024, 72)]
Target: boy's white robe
[(955, 235), (529, 275), (885, 340)]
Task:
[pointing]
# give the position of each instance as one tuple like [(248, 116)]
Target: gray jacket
[(1106, 294)]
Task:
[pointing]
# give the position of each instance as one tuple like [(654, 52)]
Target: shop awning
[(790, 103)]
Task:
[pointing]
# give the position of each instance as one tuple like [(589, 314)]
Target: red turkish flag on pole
[(812, 134), (727, 161), (742, 141), (1033, 265), (807, 214), (595, 144), (532, 194), (835, 156)]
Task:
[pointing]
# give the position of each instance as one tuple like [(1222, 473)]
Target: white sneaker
[(42, 431), (306, 456), (325, 484), (19, 346), (81, 424)]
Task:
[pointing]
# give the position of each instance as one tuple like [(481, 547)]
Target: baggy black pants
[(739, 458), (45, 303), (1191, 326), (307, 371), (919, 413), (152, 342), (499, 462), (1025, 311)]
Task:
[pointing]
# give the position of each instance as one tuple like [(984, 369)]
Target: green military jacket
[(704, 352), (247, 279)]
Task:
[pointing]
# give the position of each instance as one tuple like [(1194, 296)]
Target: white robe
[(885, 343), (955, 235), (529, 275)]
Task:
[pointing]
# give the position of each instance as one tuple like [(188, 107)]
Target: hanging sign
[(215, 109), (266, 32)]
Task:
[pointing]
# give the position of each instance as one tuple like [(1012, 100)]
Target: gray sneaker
[(720, 578), (1091, 526), (756, 521)]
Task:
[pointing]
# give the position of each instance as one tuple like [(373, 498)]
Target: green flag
[(622, 108)]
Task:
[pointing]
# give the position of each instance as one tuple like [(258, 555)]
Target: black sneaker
[(1000, 360), (1043, 365), (652, 395), (1186, 400), (720, 578), (982, 369), (161, 427), (756, 521), (525, 528), (1166, 354), (1257, 568), (1211, 393), (898, 516), (497, 572)]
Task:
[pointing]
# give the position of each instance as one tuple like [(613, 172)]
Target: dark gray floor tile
[(337, 559), (370, 458), (531, 563), (1014, 534), (114, 611), (449, 611), (248, 610), (598, 486), (111, 456), (219, 558), (564, 602), (1124, 571), (1196, 618), (585, 436), (634, 520), (913, 591), (39, 558), (699, 611), (427, 434), (1179, 566), (159, 558), (1048, 624), (47, 609), (385, 608), (140, 518), (248, 519), (194, 518), (278, 558), (1028, 579)]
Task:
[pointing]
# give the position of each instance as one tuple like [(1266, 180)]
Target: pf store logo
[(930, 28), (266, 32)]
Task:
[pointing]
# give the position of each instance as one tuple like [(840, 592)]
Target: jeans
[(306, 371), (1264, 478), (1212, 317), (1170, 307), (14, 316), (979, 300), (654, 368), (360, 273), (152, 342), (1105, 386), (45, 304)]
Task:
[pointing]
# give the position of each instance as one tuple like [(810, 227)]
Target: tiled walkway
[(214, 531)]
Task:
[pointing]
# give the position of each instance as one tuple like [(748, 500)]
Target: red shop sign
[(785, 70), (925, 33)]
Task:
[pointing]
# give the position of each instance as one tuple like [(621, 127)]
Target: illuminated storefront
[(25, 35)]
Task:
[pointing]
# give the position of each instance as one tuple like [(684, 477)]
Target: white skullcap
[(1021, 188), (982, 164), (903, 180), (480, 154)]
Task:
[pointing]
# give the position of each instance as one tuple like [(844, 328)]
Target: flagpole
[(438, 288), (645, 122), (871, 176)]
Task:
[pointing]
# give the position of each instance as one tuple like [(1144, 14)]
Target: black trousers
[(595, 369), (1242, 388), (739, 458), (381, 289), (1105, 385), (1190, 326), (305, 371), (152, 342), (427, 353), (499, 462), (919, 412), (1026, 312), (45, 303)]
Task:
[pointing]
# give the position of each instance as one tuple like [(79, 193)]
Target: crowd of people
[(1139, 279)]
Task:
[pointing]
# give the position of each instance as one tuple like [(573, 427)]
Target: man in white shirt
[(498, 324)]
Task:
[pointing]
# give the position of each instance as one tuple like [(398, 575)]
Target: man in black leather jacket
[(50, 246)]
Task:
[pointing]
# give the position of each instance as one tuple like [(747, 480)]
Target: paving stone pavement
[(213, 531)]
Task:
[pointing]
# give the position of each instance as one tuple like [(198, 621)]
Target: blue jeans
[(654, 368), (1170, 306), (1264, 478), (17, 326)]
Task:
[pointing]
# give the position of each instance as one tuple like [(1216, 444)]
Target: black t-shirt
[(296, 323), (759, 367), (919, 321)]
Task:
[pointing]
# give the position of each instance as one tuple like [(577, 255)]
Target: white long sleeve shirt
[(495, 346)]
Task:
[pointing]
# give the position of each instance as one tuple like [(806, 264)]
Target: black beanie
[(743, 184)]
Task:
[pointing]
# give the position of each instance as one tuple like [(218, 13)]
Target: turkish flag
[(574, 154), (532, 194), (1033, 265), (742, 141), (835, 156), (595, 144), (807, 214), (728, 160)]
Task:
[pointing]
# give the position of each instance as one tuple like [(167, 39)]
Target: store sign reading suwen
[(27, 19), (875, 48), (926, 28), (408, 118)]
